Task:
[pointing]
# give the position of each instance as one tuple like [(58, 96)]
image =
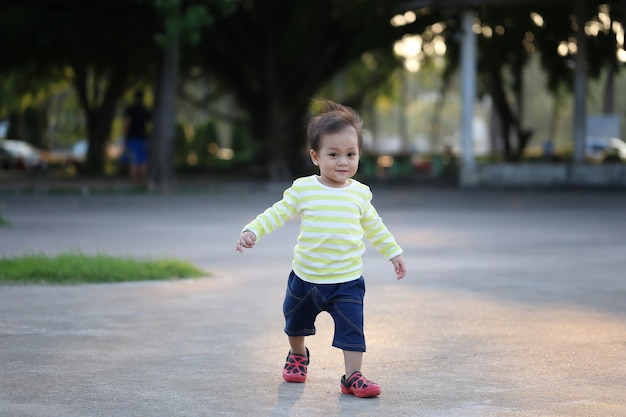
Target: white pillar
[(468, 95)]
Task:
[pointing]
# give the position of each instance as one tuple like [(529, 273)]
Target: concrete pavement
[(513, 306)]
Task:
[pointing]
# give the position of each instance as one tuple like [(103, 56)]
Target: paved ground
[(513, 306)]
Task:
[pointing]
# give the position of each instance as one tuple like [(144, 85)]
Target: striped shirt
[(333, 224)]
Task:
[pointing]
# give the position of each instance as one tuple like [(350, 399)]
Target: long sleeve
[(377, 234), (276, 216)]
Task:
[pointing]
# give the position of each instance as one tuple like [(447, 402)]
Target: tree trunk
[(503, 110), (99, 107), (405, 100), (495, 132), (94, 164), (509, 120), (281, 125), (164, 122), (554, 118), (282, 152)]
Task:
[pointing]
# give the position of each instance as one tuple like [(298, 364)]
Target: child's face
[(338, 157)]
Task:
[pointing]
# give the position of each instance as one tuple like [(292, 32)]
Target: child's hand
[(246, 240), (398, 265)]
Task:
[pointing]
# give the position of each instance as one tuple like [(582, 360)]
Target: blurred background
[(231, 84)]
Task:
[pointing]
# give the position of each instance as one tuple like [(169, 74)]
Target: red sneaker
[(359, 386), (296, 367)]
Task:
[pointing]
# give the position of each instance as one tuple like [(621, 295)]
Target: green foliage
[(102, 49), (276, 55), (76, 268), (204, 140), (363, 80), (201, 151), (193, 148), (509, 39), (273, 56), (186, 22), (521, 38), (242, 144), (24, 103), (181, 24)]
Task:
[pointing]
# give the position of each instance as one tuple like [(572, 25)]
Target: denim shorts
[(344, 302), (137, 150)]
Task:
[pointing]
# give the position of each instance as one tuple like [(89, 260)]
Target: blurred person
[(336, 213), (136, 120)]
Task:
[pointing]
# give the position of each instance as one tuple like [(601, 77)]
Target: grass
[(78, 268)]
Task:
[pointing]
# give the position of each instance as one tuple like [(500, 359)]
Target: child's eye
[(332, 155), (351, 155)]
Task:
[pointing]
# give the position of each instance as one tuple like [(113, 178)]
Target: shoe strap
[(356, 376), (298, 358)]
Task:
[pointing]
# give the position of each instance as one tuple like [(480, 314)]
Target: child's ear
[(314, 157)]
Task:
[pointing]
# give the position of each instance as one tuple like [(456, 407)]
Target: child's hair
[(333, 118)]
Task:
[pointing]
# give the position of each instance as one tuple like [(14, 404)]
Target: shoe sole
[(372, 391), (294, 378)]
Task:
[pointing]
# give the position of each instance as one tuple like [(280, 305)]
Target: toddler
[(336, 213)]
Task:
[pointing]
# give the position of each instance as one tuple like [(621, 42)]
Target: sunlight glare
[(225, 154), (398, 20), (438, 27), (412, 45), (537, 19), (439, 44), (412, 64), (410, 17)]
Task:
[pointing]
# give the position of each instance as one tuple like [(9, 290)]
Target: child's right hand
[(399, 267), (246, 240)]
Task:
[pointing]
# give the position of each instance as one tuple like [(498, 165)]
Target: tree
[(510, 35), (105, 47), (276, 54), (183, 22), (22, 103), (102, 46)]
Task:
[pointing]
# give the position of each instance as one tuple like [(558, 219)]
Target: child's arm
[(246, 240), (379, 236), (270, 220)]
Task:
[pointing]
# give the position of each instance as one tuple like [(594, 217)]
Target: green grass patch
[(78, 268)]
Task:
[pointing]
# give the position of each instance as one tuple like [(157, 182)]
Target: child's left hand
[(398, 266)]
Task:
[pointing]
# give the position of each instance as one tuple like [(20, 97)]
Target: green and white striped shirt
[(333, 223)]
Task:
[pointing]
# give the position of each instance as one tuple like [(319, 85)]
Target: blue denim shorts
[(344, 302), (137, 150)]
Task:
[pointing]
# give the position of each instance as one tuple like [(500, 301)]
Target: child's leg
[(353, 361), (297, 345)]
